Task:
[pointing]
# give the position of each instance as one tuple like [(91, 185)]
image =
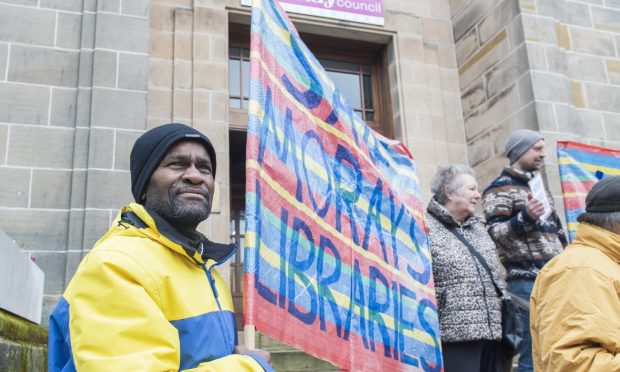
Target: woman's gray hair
[(608, 221), (447, 180)]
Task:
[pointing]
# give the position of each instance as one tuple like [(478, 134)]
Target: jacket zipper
[(212, 279), (212, 284), (216, 296)]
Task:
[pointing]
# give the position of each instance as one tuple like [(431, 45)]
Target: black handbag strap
[(472, 250)]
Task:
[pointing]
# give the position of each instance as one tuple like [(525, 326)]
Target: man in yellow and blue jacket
[(147, 297)]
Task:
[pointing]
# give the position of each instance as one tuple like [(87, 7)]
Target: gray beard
[(181, 215)]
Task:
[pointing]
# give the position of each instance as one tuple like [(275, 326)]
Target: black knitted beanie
[(604, 197), (151, 147)]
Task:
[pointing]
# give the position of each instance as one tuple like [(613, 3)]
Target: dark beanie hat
[(519, 142), (151, 147), (604, 197)]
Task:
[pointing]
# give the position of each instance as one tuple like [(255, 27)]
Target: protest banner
[(336, 257), (581, 166)]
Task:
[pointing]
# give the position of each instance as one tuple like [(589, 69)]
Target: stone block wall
[(424, 82), (73, 98), (544, 65), (495, 86)]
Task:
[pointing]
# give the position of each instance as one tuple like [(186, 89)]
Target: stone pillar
[(189, 84), (422, 71), (112, 97), (39, 59)]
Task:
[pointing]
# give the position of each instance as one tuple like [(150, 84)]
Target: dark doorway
[(237, 143)]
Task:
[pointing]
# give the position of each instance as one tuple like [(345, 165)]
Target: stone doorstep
[(285, 358), (290, 359), (270, 344)]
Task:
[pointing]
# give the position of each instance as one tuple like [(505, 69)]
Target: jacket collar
[(440, 212), (599, 238), (188, 245), (519, 174)]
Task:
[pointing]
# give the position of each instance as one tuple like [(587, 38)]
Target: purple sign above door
[(363, 11)]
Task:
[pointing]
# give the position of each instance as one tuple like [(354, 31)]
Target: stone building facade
[(548, 65), (80, 80)]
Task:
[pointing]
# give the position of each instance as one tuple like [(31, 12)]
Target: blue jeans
[(523, 289)]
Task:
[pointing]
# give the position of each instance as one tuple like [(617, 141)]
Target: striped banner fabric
[(581, 166), (336, 257)]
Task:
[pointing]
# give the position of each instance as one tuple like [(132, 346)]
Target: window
[(354, 80), (357, 68), (238, 77)]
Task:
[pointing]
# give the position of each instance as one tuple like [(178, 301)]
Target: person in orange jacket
[(148, 297), (575, 303)]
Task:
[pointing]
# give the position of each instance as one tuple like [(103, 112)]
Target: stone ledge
[(23, 344), (19, 330)]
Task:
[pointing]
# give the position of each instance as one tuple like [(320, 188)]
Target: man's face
[(533, 158), (181, 188)]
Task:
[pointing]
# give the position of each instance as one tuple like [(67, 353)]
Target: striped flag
[(581, 166), (336, 257)]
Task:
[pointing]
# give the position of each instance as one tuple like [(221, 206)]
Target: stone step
[(285, 358)]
